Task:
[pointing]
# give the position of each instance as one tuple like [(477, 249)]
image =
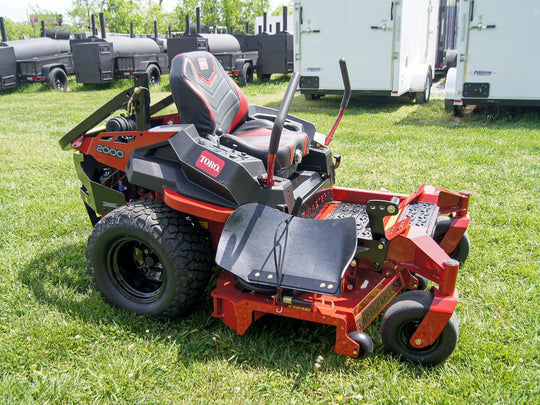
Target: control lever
[(344, 100)]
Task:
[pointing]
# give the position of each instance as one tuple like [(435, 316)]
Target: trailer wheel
[(265, 78), (246, 77), (462, 249), (422, 97), (402, 318), (312, 96), (154, 76), (57, 79), (149, 259)]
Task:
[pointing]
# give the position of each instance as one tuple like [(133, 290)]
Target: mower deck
[(354, 310)]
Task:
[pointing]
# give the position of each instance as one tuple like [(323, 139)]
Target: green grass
[(59, 343)]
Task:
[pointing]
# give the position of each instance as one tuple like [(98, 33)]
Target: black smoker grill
[(102, 60), (41, 59)]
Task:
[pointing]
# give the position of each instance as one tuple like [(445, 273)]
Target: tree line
[(119, 14)]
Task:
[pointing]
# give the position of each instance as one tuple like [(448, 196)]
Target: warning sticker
[(203, 63)]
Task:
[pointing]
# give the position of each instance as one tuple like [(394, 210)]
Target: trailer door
[(502, 50), (361, 31)]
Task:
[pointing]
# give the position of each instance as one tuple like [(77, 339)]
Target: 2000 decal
[(109, 151)]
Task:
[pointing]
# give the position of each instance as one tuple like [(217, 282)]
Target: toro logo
[(210, 164)]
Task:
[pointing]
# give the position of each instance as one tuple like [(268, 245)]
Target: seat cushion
[(253, 138)]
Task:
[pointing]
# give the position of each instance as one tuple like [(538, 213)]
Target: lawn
[(59, 343)]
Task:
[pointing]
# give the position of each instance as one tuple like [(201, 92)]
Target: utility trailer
[(103, 60), (41, 59), (275, 50), (389, 45), (496, 54), (226, 48)]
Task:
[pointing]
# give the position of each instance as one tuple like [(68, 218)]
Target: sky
[(17, 10)]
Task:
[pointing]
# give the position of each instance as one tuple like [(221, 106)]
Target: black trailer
[(41, 59), (275, 50), (102, 60), (238, 63)]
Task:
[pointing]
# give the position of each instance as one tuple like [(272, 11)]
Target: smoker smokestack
[(43, 29), (284, 18), (278, 27), (131, 34), (94, 29), (102, 24), (3, 30), (170, 31), (198, 16), (188, 28), (247, 28), (264, 21), (155, 30)]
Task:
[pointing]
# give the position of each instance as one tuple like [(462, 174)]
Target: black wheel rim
[(154, 78), (136, 270), (405, 332), (59, 82)]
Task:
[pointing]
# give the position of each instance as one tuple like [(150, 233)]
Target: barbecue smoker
[(41, 59), (275, 50), (238, 63), (103, 60)]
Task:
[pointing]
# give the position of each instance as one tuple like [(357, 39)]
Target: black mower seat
[(312, 254), (208, 98), (253, 137)]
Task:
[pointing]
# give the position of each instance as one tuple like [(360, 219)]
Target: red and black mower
[(251, 189)]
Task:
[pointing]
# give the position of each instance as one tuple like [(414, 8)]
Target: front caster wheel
[(149, 259), (365, 342), (400, 321)]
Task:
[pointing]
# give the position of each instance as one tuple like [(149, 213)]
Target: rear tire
[(57, 79), (400, 321), (149, 259), (154, 76)]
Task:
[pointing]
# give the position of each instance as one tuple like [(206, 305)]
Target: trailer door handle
[(381, 27), (482, 27), (392, 12)]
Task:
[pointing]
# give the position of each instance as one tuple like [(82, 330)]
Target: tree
[(230, 13), (142, 13), (16, 31)]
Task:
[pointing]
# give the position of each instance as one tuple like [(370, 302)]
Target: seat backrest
[(204, 93)]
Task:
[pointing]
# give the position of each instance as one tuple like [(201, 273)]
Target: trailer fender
[(46, 69), (450, 86), (142, 66), (239, 64), (418, 77)]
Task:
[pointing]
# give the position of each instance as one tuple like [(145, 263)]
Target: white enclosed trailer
[(498, 54), (389, 46)]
